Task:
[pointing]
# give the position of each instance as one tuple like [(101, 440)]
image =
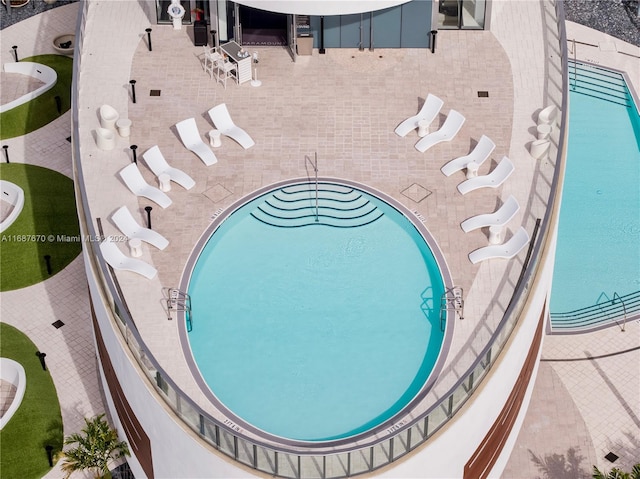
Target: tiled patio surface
[(344, 105)]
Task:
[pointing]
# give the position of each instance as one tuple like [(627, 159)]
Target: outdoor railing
[(309, 463)]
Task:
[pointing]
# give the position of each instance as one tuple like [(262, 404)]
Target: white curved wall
[(322, 7), (12, 372), (45, 74), (14, 195)]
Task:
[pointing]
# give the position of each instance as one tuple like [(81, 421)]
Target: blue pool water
[(598, 251), (316, 330)]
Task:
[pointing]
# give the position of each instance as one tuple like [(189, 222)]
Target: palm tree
[(617, 473), (97, 444)]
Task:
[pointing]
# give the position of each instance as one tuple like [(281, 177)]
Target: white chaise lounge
[(447, 132), (135, 182), (427, 113), (190, 136), (506, 250), (500, 217), (126, 223), (222, 120), (155, 161), (494, 179), (480, 153), (118, 260)]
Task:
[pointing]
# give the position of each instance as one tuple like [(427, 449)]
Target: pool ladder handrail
[(314, 165), (624, 308), (451, 300), (180, 301)]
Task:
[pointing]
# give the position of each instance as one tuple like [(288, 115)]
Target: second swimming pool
[(316, 325), (598, 250)]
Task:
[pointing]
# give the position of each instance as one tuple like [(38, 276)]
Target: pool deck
[(332, 105)]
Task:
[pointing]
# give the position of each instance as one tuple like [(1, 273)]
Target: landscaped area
[(37, 423), (47, 226), (43, 109)]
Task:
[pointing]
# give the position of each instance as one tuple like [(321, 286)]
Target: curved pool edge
[(372, 435)]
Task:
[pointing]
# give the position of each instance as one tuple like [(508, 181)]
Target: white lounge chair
[(126, 223), (118, 260), (506, 250), (494, 179), (480, 153), (135, 182), (222, 120), (427, 113), (500, 217), (155, 161), (447, 132), (190, 136)]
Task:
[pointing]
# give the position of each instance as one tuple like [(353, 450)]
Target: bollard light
[(433, 40), (47, 260), (41, 356), (148, 210), (133, 89), (49, 450), (6, 152), (148, 30), (133, 150), (15, 51)]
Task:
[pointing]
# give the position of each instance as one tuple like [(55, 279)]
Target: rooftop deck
[(343, 105)]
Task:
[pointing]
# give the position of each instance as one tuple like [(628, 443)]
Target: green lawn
[(37, 422), (48, 225), (43, 109)]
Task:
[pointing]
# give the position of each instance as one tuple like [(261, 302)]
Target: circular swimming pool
[(314, 320)]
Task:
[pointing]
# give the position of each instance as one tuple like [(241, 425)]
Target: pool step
[(338, 206), (609, 312), (599, 83)]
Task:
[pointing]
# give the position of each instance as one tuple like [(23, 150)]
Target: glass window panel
[(417, 435), (245, 452), (287, 465), (210, 431), (381, 454), (311, 467), (437, 417), (472, 14), (360, 461), (190, 415), (337, 464), (400, 444), (226, 443), (460, 395), (266, 460)]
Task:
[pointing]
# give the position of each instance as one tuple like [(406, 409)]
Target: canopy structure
[(321, 7)]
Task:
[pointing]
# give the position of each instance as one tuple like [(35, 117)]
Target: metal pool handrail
[(312, 463)]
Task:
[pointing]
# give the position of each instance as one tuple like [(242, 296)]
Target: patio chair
[(135, 182), (494, 179), (222, 120), (118, 260), (156, 163), (447, 132), (190, 136), (500, 217), (126, 223), (480, 153), (427, 113), (506, 250)]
